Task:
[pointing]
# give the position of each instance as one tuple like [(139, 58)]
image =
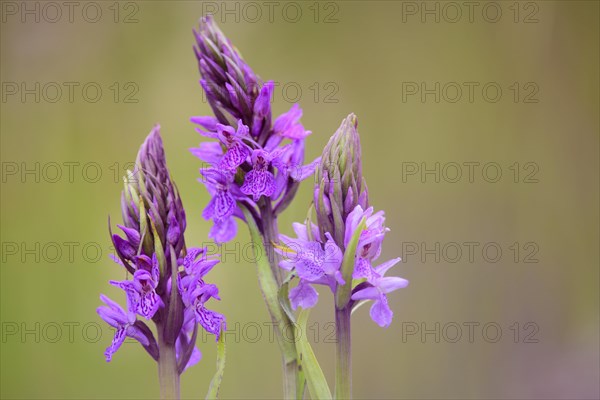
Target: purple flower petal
[(381, 312), (133, 236), (223, 230), (362, 269), (117, 341), (389, 284), (302, 231), (123, 247), (303, 295), (235, 156), (287, 120), (207, 122), (259, 183), (211, 321), (369, 293), (210, 152), (332, 257)]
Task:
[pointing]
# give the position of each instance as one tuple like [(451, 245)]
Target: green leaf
[(284, 298), (158, 249), (300, 384), (358, 305), (342, 296), (175, 315), (317, 384), (215, 383)]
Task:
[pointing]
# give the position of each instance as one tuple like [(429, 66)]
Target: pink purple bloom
[(259, 181), (261, 161), (223, 204), (195, 292), (312, 261), (379, 287), (370, 241), (141, 290), (316, 256), (152, 249), (126, 325), (237, 151)]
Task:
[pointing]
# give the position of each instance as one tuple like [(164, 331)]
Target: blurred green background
[(334, 58)]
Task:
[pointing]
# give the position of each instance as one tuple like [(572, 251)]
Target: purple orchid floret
[(195, 292), (370, 241), (222, 207), (368, 249), (288, 126), (260, 181), (152, 249), (312, 261), (262, 109), (141, 291), (380, 286), (315, 262), (123, 322), (237, 151), (261, 158)]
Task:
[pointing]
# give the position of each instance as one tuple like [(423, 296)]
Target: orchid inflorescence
[(255, 164), (167, 280)]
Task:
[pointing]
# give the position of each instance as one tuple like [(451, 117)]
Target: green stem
[(168, 376), (268, 272), (271, 235), (290, 369), (343, 366)]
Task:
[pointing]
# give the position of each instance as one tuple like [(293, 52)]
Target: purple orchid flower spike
[(340, 185), (152, 250), (263, 168), (345, 218), (341, 201)]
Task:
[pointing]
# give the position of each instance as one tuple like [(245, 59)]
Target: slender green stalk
[(343, 352), (271, 235), (168, 376), (269, 286)]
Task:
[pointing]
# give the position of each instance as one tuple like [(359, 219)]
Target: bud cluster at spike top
[(254, 160), (341, 200), (167, 284)]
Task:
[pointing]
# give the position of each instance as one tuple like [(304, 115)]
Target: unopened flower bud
[(340, 185)]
